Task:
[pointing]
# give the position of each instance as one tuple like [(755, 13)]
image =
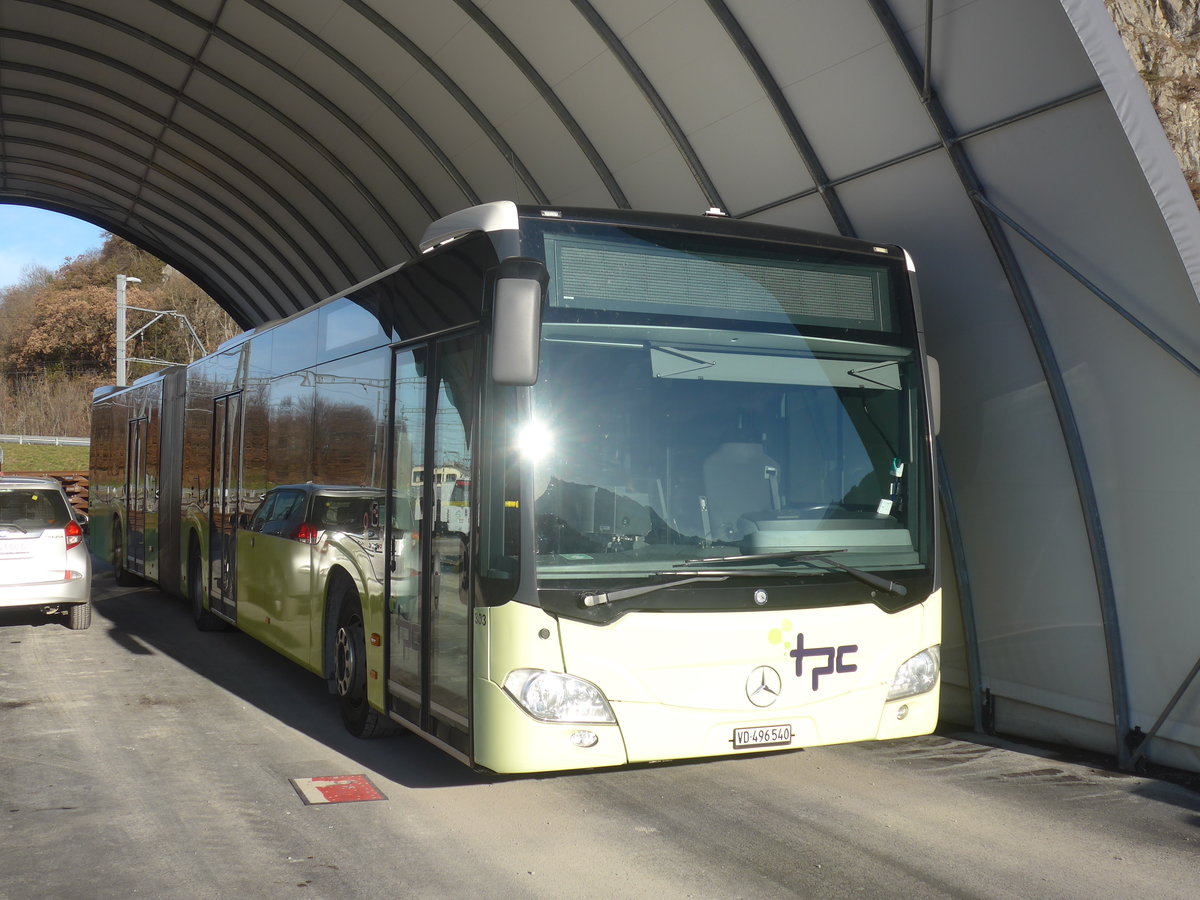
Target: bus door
[(136, 496), (225, 484), (429, 586)]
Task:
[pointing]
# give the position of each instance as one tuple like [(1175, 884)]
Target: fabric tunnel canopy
[(279, 151)]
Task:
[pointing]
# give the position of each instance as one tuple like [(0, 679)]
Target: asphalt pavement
[(144, 758)]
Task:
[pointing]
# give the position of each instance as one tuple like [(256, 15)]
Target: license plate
[(762, 736)]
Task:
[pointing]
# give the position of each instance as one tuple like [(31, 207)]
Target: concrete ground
[(144, 758)]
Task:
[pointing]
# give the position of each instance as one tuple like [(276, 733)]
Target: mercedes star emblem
[(763, 686)]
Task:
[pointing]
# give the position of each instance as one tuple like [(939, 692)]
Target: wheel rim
[(347, 661)]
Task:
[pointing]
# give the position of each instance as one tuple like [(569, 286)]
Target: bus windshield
[(658, 445), (707, 398)]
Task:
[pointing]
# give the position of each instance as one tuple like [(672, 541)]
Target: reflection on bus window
[(689, 445)]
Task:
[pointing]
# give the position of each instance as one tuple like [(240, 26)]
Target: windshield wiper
[(803, 556), (600, 597), (784, 556)]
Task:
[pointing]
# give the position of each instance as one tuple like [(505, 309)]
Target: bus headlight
[(555, 697), (917, 674)]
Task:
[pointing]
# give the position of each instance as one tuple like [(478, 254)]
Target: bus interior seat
[(739, 478), (577, 506)]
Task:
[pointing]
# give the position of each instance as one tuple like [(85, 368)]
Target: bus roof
[(504, 215)]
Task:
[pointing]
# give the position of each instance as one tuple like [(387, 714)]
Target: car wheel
[(350, 666), (79, 616), (121, 575), (204, 619)]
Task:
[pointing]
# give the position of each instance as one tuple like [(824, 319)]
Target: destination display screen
[(748, 282)]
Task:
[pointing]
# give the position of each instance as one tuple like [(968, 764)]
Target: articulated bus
[(693, 504)]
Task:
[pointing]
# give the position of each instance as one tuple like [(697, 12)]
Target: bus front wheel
[(350, 666)]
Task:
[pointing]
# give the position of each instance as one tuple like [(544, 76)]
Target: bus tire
[(79, 616), (350, 665), (204, 619), (121, 575)]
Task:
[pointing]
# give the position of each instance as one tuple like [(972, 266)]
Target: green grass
[(35, 458)]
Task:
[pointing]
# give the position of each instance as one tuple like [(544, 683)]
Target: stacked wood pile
[(76, 486)]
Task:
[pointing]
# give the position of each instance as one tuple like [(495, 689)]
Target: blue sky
[(29, 235)]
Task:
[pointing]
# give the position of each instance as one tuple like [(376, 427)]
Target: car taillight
[(74, 534), (307, 534)]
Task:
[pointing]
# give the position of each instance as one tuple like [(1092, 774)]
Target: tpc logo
[(835, 659)]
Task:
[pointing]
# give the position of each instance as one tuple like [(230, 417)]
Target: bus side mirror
[(935, 395), (517, 320)]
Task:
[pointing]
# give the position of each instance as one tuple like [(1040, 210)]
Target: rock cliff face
[(1163, 37)]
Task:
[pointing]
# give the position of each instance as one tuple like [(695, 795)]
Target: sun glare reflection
[(535, 441)]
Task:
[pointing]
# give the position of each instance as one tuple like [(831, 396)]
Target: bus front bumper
[(509, 740)]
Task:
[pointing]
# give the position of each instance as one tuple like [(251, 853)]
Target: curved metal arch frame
[(193, 164), (436, 72), (787, 116), (147, 242), (324, 200), (377, 91), (926, 150), (165, 123), (175, 201), (253, 99), (1149, 333), (320, 99), (1039, 338), (1137, 743), (39, 165), (550, 98), (966, 595), (638, 77), (251, 235), (43, 199), (221, 121)]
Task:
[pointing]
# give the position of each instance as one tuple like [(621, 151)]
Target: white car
[(44, 562)]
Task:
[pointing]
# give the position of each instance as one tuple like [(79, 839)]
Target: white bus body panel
[(679, 683)]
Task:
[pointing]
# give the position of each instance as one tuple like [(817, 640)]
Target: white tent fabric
[(278, 151)]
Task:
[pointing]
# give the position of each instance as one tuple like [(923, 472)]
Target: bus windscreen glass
[(657, 446), (704, 399)]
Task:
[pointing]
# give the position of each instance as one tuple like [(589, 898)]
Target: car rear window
[(353, 515), (31, 510)]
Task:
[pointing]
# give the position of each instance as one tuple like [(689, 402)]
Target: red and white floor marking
[(336, 789)]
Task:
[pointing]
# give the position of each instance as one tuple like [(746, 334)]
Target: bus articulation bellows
[(690, 509)]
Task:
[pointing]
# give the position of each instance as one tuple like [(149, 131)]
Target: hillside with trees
[(58, 334)]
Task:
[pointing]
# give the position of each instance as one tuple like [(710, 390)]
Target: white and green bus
[(694, 499)]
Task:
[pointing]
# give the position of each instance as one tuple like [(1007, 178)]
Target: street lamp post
[(122, 280)]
